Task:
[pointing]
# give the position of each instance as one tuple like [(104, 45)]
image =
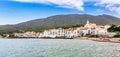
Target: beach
[(113, 40)]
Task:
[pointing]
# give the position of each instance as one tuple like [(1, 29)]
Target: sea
[(57, 48)]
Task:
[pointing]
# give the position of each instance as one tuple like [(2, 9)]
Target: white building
[(54, 33), (70, 33), (28, 34), (0, 36), (111, 34), (88, 29), (94, 29)]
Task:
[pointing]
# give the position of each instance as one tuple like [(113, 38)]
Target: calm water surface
[(57, 48)]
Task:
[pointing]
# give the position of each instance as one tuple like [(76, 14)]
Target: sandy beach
[(113, 40)]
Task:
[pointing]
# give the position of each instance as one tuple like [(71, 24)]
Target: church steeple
[(88, 22)]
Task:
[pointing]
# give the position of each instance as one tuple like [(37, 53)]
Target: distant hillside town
[(90, 30)]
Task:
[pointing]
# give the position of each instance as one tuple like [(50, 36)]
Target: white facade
[(89, 28), (111, 34), (94, 29), (54, 33), (28, 34)]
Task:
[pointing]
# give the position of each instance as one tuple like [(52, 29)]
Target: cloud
[(100, 10), (74, 4), (112, 5)]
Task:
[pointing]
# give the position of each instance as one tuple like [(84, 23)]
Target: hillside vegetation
[(41, 24)]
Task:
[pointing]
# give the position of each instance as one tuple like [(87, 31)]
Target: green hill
[(61, 20)]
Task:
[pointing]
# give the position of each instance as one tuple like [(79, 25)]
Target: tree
[(117, 35), (114, 28)]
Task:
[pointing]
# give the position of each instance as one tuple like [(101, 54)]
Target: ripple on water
[(57, 48)]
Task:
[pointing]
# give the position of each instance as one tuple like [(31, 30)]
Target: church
[(89, 29), (94, 29)]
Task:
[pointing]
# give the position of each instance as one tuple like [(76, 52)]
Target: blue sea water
[(57, 48)]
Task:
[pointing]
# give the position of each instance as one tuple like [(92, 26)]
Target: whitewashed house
[(72, 32), (46, 33), (111, 34), (69, 33), (54, 33), (28, 34), (94, 29), (89, 28)]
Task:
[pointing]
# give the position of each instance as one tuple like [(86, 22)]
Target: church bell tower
[(88, 22)]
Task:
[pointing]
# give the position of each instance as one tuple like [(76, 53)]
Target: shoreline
[(111, 40)]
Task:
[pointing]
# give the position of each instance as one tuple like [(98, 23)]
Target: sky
[(17, 11)]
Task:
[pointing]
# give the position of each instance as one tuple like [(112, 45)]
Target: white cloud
[(100, 10), (74, 4), (112, 5), (115, 9), (112, 2)]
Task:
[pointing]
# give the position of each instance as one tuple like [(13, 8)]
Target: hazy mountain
[(61, 20)]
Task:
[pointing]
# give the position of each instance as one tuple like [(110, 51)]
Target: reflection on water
[(57, 48)]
